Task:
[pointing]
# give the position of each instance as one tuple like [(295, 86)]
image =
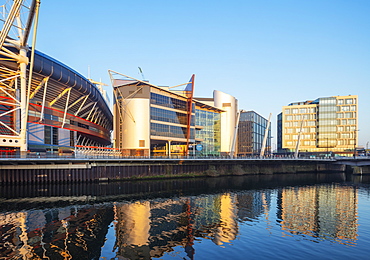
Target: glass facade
[(327, 115), (251, 133), (169, 102), (172, 111), (208, 123), (169, 116), (169, 131)]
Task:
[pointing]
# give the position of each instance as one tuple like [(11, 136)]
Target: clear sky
[(265, 53)]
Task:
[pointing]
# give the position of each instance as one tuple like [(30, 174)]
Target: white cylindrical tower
[(136, 124), (229, 104)]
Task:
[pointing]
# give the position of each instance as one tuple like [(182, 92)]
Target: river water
[(305, 216)]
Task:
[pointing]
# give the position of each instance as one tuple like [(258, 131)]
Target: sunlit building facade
[(157, 121), (324, 125), (229, 107), (251, 133)]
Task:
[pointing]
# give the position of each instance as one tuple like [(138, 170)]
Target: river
[(301, 216)]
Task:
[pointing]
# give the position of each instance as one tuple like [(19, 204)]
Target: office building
[(157, 121), (251, 133), (325, 125)]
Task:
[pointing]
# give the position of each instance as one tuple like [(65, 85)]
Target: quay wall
[(88, 170)]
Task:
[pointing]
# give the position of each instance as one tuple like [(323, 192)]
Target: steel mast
[(14, 35)]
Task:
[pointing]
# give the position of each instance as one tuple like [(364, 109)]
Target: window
[(71, 138), (47, 134), (348, 115), (55, 136), (141, 143)]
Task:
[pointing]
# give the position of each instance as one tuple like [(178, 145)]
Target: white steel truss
[(17, 17)]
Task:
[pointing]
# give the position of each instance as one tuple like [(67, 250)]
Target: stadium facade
[(66, 111), (45, 106)]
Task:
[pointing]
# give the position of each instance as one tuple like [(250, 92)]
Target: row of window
[(304, 110), (346, 128), (169, 116), (304, 130), (346, 122), (298, 123), (322, 136), (347, 101), (322, 144), (170, 131), (322, 122), (327, 101), (253, 117), (326, 109), (169, 102), (303, 136), (312, 110), (300, 117), (346, 108), (346, 115)]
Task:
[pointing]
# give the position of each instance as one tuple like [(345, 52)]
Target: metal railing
[(174, 157)]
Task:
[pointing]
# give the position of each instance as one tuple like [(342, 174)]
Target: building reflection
[(326, 212), (54, 233), (151, 228)]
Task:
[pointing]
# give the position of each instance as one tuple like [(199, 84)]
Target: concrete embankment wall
[(89, 170)]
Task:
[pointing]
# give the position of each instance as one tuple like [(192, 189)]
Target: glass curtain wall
[(326, 131), (209, 133), (174, 111), (251, 133)]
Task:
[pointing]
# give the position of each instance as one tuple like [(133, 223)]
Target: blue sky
[(265, 53)]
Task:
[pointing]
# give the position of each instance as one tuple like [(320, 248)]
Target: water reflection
[(325, 211), (145, 229)]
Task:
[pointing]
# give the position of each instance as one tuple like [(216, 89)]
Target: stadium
[(45, 106)]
